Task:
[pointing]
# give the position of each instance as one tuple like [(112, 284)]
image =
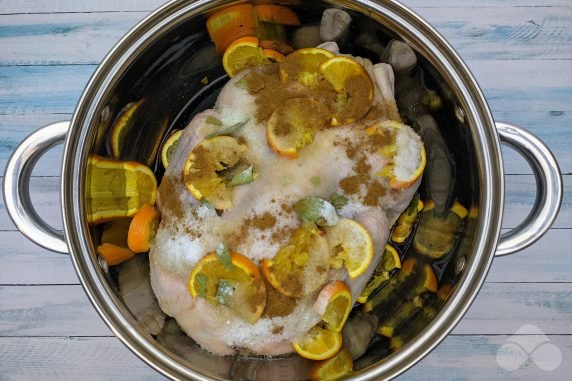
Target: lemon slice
[(300, 267), (243, 54), (117, 188), (351, 246), (169, 147), (294, 123), (318, 344), (334, 304), (333, 368), (202, 171), (234, 282)]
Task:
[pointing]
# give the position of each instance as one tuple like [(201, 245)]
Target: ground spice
[(170, 200), (354, 102), (264, 222), (374, 192), (277, 304), (350, 184)]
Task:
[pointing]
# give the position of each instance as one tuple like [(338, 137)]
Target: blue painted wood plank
[(42, 89), (97, 358), (499, 33), (44, 6), (505, 33), (23, 263), (68, 38)]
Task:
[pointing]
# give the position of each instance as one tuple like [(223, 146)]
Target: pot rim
[(413, 30)]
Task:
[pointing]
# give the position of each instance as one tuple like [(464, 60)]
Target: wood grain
[(520, 52), (97, 358), (24, 262), (500, 33), (44, 6)]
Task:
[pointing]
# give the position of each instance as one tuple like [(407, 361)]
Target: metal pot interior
[(179, 75)]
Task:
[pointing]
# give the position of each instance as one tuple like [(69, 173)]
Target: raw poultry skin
[(190, 229)]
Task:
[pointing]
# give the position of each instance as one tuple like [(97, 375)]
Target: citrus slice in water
[(318, 343), (333, 368), (169, 147), (117, 188), (334, 304)]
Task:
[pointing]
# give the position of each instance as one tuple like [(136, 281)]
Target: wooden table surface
[(519, 51)]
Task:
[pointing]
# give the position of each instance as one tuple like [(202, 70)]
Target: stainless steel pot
[(477, 137)]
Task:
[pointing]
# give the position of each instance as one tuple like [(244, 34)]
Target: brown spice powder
[(277, 304), (263, 222), (170, 200), (374, 192)]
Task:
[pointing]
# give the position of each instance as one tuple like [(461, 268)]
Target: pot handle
[(17, 187), (548, 189)]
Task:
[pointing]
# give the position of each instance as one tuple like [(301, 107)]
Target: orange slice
[(334, 304), (169, 147), (318, 344), (208, 159), (142, 228), (293, 125), (404, 224), (273, 55), (277, 14), (399, 171), (113, 246), (243, 54), (232, 281), (428, 281), (231, 23), (300, 267), (333, 368), (354, 86), (351, 246), (304, 65), (389, 260), (121, 127), (117, 188)]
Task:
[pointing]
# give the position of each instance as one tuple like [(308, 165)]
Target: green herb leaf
[(223, 255), (338, 201), (315, 180), (202, 279), (224, 292), (316, 209), (212, 120), (245, 177), (226, 130)]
